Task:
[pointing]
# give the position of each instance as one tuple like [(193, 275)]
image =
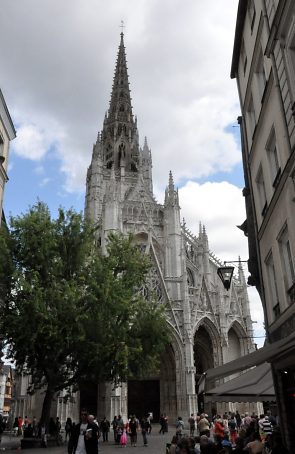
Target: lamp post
[(226, 273)]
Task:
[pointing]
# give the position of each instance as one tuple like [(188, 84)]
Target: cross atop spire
[(122, 26)]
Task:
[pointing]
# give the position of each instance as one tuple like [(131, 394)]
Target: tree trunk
[(45, 415)]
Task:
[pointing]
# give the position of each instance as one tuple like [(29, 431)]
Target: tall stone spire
[(171, 195), (119, 135), (147, 166)]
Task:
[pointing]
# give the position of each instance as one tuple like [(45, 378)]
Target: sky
[(57, 65)]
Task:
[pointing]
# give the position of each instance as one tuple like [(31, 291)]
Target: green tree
[(70, 313)]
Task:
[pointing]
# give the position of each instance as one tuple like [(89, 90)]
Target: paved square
[(156, 445)]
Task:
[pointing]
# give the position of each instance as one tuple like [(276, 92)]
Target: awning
[(255, 385), (268, 353)]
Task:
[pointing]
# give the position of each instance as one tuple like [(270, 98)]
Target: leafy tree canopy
[(69, 312)]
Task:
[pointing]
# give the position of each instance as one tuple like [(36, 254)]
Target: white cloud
[(36, 138), (220, 207), (30, 142), (58, 74)]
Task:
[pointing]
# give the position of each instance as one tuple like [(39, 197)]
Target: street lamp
[(226, 273)]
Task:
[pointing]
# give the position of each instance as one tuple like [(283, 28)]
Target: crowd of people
[(31, 428), (219, 434), (229, 433), (83, 437)]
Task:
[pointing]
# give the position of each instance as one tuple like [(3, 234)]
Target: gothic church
[(209, 325)]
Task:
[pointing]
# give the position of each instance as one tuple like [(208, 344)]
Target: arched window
[(190, 278)]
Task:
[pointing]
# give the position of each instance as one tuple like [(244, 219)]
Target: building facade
[(7, 133), (27, 405), (209, 326), (264, 67), (6, 391)]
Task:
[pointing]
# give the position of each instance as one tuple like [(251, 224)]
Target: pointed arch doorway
[(203, 357), (155, 394)]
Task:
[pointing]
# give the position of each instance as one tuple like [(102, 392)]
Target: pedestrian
[(232, 426), (266, 427), (238, 419), (85, 436), (149, 418), (179, 427), (71, 439), (165, 423), (203, 424), (123, 439), (57, 424), (246, 421), (15, 426), (115, 426), (35, 427), (162, 425), (255, 446), (192, 425), (145, 425), (68, 428), (133, 426), (219, 428), (52, 427), (120, 427), (271, 418), (105, 428), (20, 425), (226, 443)]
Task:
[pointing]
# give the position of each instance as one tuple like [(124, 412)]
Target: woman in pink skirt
[(123, 439)]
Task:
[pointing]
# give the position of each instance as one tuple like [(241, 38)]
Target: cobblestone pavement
[(156, 445)]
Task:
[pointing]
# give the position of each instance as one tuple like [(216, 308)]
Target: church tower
[(208, 325)]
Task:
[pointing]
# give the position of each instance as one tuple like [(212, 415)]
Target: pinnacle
[(200, 229), (171, 182)]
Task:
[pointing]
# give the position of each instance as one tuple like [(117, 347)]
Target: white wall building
[(264, 66)]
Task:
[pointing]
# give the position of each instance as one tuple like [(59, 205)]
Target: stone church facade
[(209, 326)]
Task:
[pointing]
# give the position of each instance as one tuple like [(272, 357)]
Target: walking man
[(105, 427), (145, 425), (85, 436), (192, 425)]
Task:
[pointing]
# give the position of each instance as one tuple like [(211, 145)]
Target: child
[(123, 439)]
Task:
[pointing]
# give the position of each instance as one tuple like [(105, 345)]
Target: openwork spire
[(171, 195), (171, 182), (119, 135), (120, 104)]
